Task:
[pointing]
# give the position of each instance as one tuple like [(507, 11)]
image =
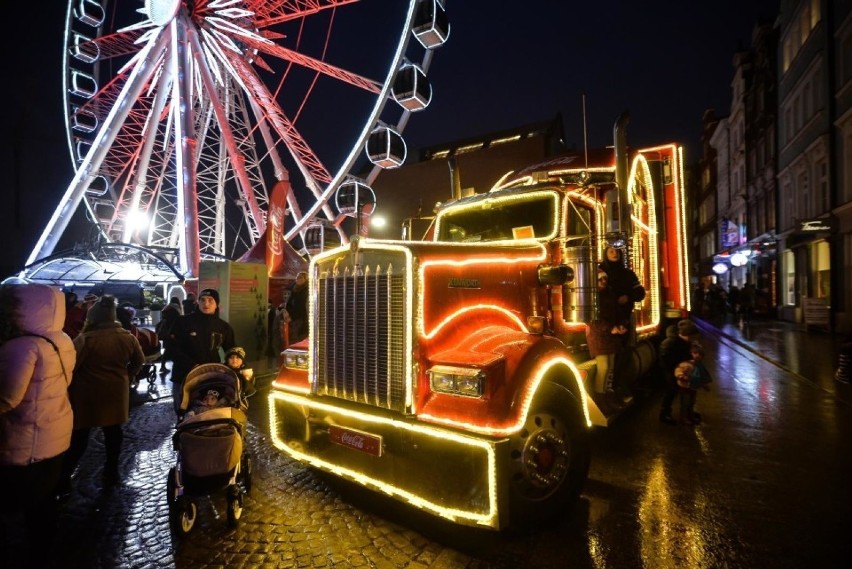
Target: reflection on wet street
[(765, 480)]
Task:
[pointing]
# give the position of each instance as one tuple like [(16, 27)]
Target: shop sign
[(815, 312), (730, 232), (819, 225)]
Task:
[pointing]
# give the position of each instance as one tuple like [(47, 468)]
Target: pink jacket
[(35, 414)]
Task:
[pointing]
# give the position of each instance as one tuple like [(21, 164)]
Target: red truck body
[(454, 374)]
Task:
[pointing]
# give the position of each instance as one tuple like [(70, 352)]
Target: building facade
[(812, 163), (705, 223), (745, 150), (784, 168)]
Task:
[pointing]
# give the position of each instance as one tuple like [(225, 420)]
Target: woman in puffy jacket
[(36, 364)]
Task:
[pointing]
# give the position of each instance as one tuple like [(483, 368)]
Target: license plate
[(357, 440)]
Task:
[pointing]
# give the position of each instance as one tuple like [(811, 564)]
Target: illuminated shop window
[(789, 278), (822, 282)]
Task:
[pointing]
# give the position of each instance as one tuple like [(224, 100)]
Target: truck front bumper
[(449, 473)]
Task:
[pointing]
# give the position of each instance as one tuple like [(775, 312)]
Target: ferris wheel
[(184, 116)]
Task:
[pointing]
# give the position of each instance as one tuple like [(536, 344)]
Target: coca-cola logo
[(351, 440), (276, 220), (363, 442)]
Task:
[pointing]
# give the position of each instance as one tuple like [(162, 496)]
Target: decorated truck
[(454, 373)]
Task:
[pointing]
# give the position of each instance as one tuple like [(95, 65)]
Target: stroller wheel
[(246, 473), (184, 514), (235, 505)]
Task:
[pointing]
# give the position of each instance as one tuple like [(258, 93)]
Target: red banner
[(275, 226)]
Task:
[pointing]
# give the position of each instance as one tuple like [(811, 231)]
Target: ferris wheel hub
[(161, 12)]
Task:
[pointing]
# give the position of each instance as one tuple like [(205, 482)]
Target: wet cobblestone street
[(760, 483)]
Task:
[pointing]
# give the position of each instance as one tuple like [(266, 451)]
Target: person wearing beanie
[(674, 350), (235, 359), (211, 293), (108, 356), (200, 337)]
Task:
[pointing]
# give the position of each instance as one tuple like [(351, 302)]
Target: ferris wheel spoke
[(142, 194), (312, 169), (271, 13), (96, 154), (279, 122), (308, 62), (224, 123), (115, 45), (186, 140)]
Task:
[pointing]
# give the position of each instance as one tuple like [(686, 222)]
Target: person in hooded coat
[(36, 364), (623, 282), (107, 357), (623, 290), (674, 350), (605, 336)]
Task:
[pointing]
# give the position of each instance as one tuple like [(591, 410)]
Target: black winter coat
[(197, 339), (622, 281), (673, 351)]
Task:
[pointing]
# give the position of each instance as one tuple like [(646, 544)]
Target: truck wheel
[(549, 459)]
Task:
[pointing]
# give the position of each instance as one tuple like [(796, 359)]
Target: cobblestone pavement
[(296, 517), (292, 518)]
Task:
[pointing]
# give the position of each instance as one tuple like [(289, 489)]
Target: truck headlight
[(295, 359), (468, 382)]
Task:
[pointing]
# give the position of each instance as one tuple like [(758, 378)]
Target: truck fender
[(548, 363)]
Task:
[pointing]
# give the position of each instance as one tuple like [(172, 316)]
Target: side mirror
[(555, 275)]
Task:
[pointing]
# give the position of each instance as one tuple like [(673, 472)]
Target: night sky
[(505, 65)]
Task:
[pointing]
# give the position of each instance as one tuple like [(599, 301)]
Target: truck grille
[(361, 330)]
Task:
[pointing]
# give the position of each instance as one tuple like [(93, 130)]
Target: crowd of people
[(66, 370), (711, 300), (66, 367)]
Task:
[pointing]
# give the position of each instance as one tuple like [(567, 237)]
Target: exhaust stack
[(621, 173)]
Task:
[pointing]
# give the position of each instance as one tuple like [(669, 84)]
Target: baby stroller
[(209, 440), (151, 348)]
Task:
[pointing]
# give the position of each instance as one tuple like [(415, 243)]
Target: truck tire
[(549, 459)]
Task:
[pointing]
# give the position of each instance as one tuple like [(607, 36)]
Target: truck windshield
[(516, 217)]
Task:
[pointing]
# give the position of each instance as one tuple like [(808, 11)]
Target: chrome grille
[(361, 330)]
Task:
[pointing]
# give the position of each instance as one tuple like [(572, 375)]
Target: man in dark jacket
[(297, 308), (623, 290), (199, 338), (168, 317), (676, 348)]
